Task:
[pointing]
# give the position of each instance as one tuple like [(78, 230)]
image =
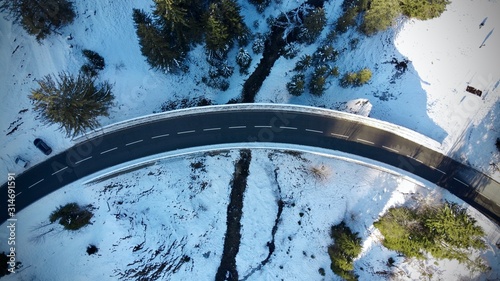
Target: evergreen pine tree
[(233, 20), (314, 23), (297, 85), (40, 18), (346, 247), (160, 52), (243, 59), (181, 21), (224, 24), (318, 81), (72, 102), (258, 44), (216, 32), (95, 64), (303, 63), (445, 231), (423, 9), (380, 16)]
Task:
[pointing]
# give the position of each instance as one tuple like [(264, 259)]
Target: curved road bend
[(254, 125)]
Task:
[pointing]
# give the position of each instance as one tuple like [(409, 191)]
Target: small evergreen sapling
[(243, 59), (94, 65), (297, 85)]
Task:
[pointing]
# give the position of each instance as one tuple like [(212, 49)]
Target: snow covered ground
[(429, 98), (173, 213)]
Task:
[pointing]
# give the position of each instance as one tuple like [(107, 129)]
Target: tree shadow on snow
[(395, 89)]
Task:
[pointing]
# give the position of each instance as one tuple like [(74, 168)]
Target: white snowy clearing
[(173, 213), (165, 206)]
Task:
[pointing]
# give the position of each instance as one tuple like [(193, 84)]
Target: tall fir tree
[(224, 25), (72, 102), (160, 52), (380, 16), (181, 20), (217, 33), (40, 18), (314, 22)]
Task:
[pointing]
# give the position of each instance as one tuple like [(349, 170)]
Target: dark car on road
[(40, 144)]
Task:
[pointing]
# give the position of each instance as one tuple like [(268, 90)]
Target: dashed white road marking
[(160, 136), (420, 161), (211, 129), (134, 142), (262, 126), (461, 182), (391, 149), (60, 170), (288, 128), (186, 132), (438, 170), (314, 131), (340, 136), (19, 193), (80, 161), (36, 183), (237, 127), (109, 150), (365, 141)]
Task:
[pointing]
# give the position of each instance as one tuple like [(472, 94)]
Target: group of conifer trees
[(166, 35)]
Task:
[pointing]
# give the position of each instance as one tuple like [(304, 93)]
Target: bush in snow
[(92, 249), (303, 63), (320, 172), (348, 80), (96, 63), (243, 59), (72, 216), (497, 143), (216, 83), (364, 75), (356, 78), (297, 85), (346, 247), (40, 18), (258, 44), (445, 231), (72, 102), (323, 54), (318, 80), (290, 50)]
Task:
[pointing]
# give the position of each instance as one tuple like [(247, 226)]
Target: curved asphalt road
[(255, 125)]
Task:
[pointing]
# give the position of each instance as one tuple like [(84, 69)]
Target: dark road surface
[(256, 125)]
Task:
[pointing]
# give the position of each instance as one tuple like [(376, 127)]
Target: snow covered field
[(429, 98), (173, 213)]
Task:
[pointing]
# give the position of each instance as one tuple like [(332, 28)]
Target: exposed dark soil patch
[(272, 51), (227, 269)]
